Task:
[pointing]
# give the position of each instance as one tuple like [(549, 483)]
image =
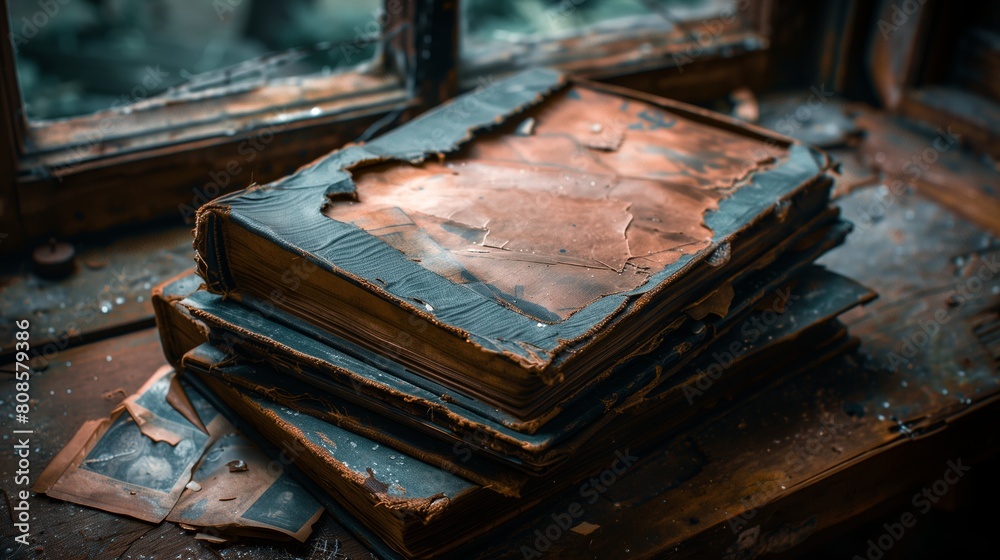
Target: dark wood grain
[(108, 294)]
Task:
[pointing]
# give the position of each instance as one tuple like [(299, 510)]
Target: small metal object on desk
[(54, 260)]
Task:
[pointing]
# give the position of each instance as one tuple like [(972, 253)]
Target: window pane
[(488, 24), (77, 56)]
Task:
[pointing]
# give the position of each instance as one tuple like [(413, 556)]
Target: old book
[(389, 408), (369, 380), (517, 244), (414, 504)]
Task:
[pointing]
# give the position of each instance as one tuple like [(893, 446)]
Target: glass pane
[(488, 22), (79, 56)]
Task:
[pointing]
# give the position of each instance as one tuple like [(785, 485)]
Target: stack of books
[(537, 281)]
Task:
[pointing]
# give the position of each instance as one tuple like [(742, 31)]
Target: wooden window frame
[(695, 59), (60, 181), (905, 70)]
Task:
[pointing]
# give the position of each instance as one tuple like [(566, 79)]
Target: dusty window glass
[(76, 57), (518, 25)]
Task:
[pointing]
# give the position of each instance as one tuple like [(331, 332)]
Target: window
[(952, 85), (135, 109), (75, 58), (114, 76), (603, 38)]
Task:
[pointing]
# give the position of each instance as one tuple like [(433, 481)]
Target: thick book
[(519, 243), (424, 509), (255, 328), (372, 381)]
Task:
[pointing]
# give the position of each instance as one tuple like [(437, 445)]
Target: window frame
[(613, 53), (638, 56), (906, 73)]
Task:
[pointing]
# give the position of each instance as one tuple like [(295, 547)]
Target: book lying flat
[(257, 328), (371, 399), (517, 243), (377, 382), (423, 510), (334, 365)]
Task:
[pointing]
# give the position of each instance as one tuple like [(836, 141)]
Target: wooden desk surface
[(778, 469)]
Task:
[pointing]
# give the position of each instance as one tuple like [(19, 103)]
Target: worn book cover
[(519, 242), (387, 386)]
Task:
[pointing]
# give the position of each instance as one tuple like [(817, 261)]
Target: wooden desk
[(782, 469)]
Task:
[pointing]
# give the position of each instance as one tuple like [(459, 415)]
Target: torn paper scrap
[(243, 493), (136, 466)]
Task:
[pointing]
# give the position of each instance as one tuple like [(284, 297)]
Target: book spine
[(211, 260), (179, 331)]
